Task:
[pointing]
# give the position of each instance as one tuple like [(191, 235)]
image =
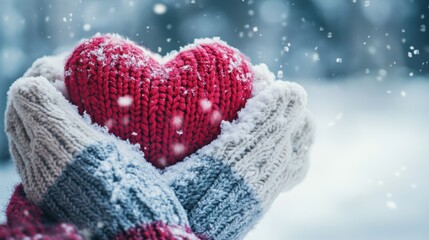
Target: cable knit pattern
[(227, 185), (85, 177), (171, 106)]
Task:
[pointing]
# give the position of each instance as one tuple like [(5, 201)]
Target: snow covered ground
[(369, 166)]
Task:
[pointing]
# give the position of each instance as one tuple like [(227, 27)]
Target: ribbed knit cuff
[(78, 174), (226, 186), (26, 221)]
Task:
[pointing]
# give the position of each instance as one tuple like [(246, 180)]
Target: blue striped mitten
[(79, 174), (226, 186)]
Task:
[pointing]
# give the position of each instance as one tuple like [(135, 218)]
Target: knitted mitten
[(27, 221), (227, 185), (255, 138), (80, 175)]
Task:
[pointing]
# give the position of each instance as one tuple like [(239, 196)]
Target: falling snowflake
[(159, 8), (178, 148), (205, 105), (177, 121), (86, 27), (162, 161), (125, 101), (216, 117), (391, 204), (126, 120), (109, 123)]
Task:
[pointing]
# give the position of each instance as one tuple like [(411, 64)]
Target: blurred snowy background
[(364, 63)]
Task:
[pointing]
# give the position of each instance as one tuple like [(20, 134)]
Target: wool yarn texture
[(86, 177), (27, 221), (219, 191), (171, 106)]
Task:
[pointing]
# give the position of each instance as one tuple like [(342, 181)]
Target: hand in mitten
[(80, 175), (226, 186)]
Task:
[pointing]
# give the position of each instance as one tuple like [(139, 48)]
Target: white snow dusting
[(125, 101), (205, 105)]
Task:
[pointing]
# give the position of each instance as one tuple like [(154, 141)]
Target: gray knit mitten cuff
[(81, 175)]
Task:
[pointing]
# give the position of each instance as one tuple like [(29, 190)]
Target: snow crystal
[(234, 62), (126, 120), (99, 53), (125, 101), (315, 57), (159, 8), (100, 225), (180, 132), (68, 228), (186, 67), (178, 148), (367, 3), (216, 117), (109, 123), (205, 105), (177, 121), (391, 204), (134, 134), (339, 60), (86, 27), (162, 161)]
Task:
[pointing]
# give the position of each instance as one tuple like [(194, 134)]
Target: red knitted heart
[(171, 106)]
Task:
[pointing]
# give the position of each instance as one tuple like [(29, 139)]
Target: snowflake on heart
[(171, 106)]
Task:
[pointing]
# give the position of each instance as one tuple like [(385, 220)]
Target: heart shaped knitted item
[(171, 106)]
